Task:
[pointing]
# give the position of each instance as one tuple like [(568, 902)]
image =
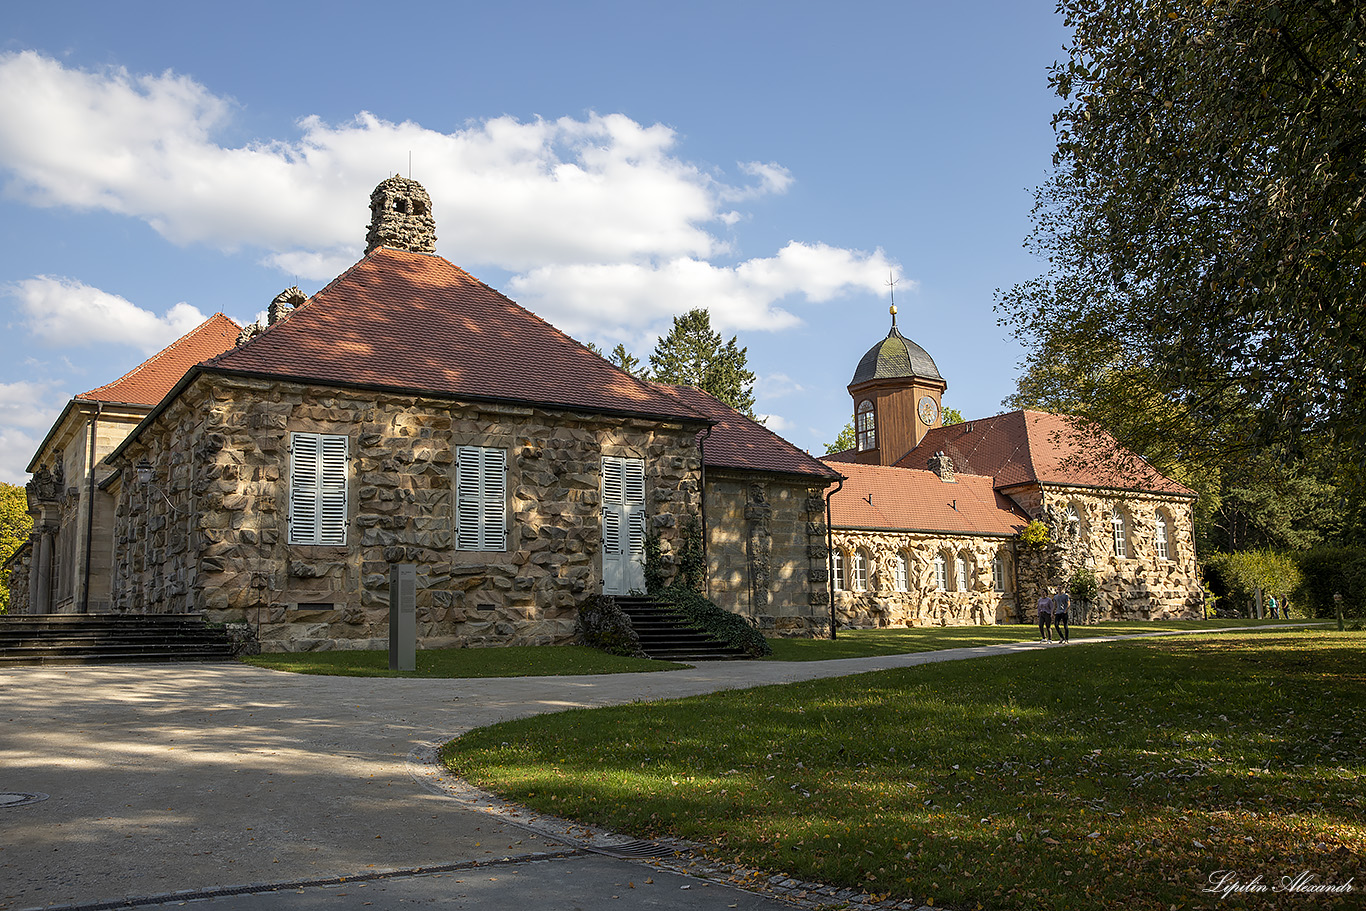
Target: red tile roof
[(416, 322), (148, 383), (1024, 447), (739, 442), (908, 499)]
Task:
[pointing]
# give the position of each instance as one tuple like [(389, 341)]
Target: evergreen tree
[(692, 354)]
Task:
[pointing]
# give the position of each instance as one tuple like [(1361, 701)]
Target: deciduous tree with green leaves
[(1205, 224), (693, 354), (15, 524)]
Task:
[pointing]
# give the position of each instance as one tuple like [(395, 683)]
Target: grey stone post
[(40, 599)]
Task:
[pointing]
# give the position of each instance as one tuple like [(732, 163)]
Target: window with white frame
[(860, 567), (962, 580), (317, 488), (901, 572), (480, 498), (1163, 546), (1120, 534), (837, 568), (941, 573), (866, 424), (998, 572)]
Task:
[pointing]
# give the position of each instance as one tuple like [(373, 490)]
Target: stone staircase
[(109, 639), (665, 633)]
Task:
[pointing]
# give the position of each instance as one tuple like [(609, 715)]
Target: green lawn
[(1083, 777), (511, 661), (863, 643)]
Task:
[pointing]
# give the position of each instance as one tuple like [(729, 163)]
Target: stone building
[(925, 525), (64, 566), (408, 413)]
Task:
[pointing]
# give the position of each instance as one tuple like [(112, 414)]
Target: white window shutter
[(495, 500), (332, 491), (481, 498), (303, 488), (317, 488)]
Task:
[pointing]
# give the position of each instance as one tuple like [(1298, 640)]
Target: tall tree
[(1205, 224), (692, 354), (622, 359), (15, 524)]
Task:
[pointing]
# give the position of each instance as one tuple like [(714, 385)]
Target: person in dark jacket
[(1061, 602)]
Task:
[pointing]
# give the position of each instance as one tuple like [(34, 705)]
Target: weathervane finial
[(891, 286)]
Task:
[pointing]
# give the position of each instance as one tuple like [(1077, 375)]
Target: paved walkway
[(197, 777)]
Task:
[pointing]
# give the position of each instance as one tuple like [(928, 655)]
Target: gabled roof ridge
[(869, 467), (156, 359)]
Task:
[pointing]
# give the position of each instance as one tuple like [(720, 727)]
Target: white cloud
[(777, 423), (580, 297), (606, 230), (27, 410), (505, 193), (777, 385), (67, 313)]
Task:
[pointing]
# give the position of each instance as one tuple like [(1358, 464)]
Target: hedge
[(731, 629)]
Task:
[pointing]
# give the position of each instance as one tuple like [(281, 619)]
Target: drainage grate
[(629, 849), (19, 798)]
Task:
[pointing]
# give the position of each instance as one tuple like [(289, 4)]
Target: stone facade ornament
[(942, 465), (401, 217), (283, 305), (46, 486)]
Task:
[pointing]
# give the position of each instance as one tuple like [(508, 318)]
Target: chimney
[(401, 217), (942, 465)]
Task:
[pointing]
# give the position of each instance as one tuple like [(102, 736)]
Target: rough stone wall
[(227, 550), (766, 551), (923, 604), (19, 566), (1139, 586)]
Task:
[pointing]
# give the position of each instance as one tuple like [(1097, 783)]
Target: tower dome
[(895, 357), (896, 390), (401, 217)]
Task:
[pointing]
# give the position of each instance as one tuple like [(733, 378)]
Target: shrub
[(732, 629), (1236, 577), (603, 625), (1035, 534), (1329, 570), (1083, 586)]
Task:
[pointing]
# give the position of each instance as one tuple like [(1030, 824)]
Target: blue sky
[(607, 165)]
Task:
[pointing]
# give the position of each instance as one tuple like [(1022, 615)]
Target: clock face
[(929, 410)]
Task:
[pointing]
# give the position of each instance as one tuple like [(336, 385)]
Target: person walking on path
[(1045, 618), (1271, 607), (1061, 602)]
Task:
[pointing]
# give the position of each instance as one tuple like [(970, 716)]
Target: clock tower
[(897, 391)]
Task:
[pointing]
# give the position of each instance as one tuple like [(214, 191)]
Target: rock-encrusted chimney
[(942, 465), (401, 217), (283, 305)]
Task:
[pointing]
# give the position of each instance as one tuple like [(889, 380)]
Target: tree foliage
[(844, 441), (621, 359), (15, 524), (693, 354), (1205, 225)]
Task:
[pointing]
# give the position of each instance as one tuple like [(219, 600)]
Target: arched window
[(998, 571), (962, 573), (901, 572), (941, 573), (860, 573), (837, 568), (1162, 537), (866, 425), (1119, 532)]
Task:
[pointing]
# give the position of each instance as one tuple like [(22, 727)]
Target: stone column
[(40, 582)]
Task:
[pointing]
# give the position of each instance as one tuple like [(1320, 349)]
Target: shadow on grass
[(1067, 778), (507, 661)]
